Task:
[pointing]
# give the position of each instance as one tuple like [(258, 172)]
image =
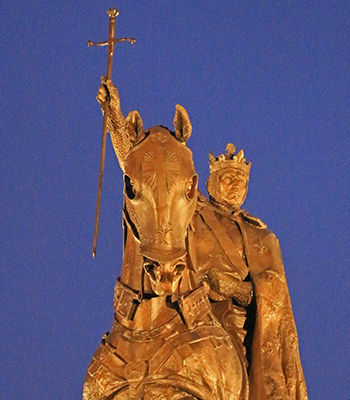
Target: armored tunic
[(275, 370)]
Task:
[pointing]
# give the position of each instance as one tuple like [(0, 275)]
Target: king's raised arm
[(116, 123)]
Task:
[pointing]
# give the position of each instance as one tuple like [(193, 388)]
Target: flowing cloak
[(275, 371)]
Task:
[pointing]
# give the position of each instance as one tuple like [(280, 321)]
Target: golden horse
[(165, 343)]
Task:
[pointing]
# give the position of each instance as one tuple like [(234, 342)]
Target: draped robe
[(275, 371)]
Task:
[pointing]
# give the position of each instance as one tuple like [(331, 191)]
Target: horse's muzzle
[(164, 277)]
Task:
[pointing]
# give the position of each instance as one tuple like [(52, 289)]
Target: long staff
[(112, 13)]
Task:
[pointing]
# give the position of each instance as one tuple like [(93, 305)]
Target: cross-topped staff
[(112, 13)]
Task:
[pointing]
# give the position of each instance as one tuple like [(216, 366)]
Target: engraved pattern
[(151, 180), (261, 248), (164, 236), (170, 156), (165, 164), (149, 157), (171, 179), (150, 173), (172, 167)]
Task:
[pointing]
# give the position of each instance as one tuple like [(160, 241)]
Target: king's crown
[(229, 160)]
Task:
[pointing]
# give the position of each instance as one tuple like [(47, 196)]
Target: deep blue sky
[(270, 76)]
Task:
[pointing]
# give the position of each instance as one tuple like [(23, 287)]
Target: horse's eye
[(191, 187), (129, 188)]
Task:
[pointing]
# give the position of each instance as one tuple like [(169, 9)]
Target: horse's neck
[(150, 314)]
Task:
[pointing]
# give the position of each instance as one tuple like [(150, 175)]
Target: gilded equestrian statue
[(165, 342)]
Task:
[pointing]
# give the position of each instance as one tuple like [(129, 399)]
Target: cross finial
[(112, 13)]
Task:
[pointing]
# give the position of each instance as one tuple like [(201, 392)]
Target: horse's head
[(160, 197)]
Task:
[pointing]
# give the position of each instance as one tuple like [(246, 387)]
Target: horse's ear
[(182, 124), (134, 127)]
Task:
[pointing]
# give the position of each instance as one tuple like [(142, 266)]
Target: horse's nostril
[(150, 269), (179, 269)]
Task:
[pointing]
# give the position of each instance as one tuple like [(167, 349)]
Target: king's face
[(233, 187)]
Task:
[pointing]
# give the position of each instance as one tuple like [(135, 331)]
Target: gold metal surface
[(165, 342), (201, 309)]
